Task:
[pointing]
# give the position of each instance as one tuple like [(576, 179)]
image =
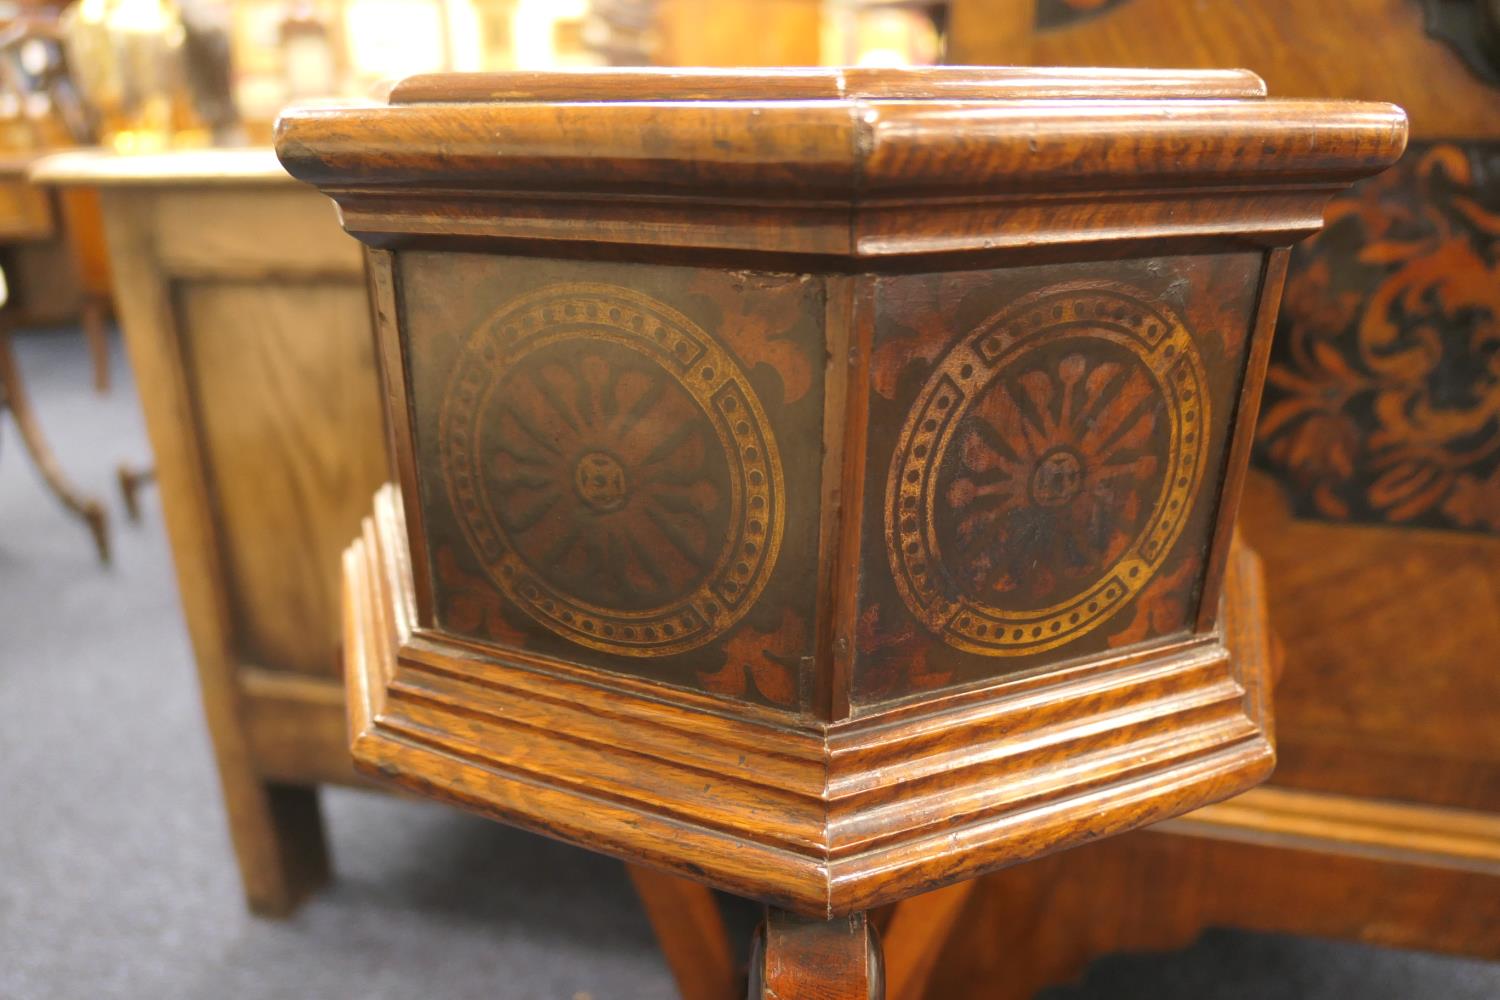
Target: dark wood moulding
[(804, 164)]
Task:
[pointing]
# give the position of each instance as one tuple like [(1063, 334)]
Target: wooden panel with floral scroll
[(1383, 395)]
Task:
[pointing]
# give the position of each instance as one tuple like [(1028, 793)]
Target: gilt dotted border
[(592, 312), (1108, 311)]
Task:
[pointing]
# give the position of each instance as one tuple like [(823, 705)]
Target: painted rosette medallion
[(612, 469), (1046, 469)]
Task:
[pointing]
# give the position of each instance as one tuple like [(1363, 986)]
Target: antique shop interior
[(787, 499)]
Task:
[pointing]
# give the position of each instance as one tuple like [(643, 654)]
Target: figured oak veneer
[(820, 483)]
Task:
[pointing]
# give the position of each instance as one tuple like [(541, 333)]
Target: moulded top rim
[(641, 84)]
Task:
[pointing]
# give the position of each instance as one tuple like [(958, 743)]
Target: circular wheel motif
[(612, 469), (1046, 469)]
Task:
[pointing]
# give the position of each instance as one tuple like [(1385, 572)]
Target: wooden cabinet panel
[(1390, 688), (283, 379), (1369, 49), (301, 235), (246, 317), (24, 212)]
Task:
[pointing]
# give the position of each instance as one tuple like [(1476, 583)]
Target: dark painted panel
[(619, 464), (1046, 447)]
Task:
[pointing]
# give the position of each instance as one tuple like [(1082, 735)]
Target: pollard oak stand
[(817, 483)]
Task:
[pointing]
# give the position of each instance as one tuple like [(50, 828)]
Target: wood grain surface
[(1157, 890), (616, 454), (810, 959), (275, 824), (770, 177), (822, 821), (810, 84), (1377, 421), (1388, 690), (283, 380), (690, 931), (1355, 49)]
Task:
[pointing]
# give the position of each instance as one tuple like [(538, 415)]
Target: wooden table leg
[(690, 932), (915, 936), (801, 958), (13, 397), (131, 480), (96, 331)]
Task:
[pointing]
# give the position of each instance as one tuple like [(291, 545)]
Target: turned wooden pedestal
[(820, 484)]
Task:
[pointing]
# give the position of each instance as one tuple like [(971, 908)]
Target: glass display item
[(883, 32), (128, 59), (307, 54)]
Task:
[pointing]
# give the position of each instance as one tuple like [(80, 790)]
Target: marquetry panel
[(1383, 394), (1045, 450), (283, 381), (619, 464)]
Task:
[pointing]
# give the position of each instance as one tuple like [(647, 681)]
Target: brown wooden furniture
[(15, 401), (245, 314), (49, 243), (83, 227), (820, 484), (1373, 505), (243, 311), (27, 219)]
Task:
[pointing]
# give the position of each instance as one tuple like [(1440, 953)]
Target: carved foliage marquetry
[(1382, 399), (1048, 444), (604, 465)]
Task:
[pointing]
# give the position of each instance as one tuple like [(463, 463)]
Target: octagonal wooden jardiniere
[(821, 483)]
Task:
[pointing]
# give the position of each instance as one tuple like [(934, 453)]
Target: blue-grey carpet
[(116, 879)]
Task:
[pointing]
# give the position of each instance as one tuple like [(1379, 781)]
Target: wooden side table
[(15, 400), (243, 312), (52, 250), (27, 218), (246, 316), (820, 483)]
